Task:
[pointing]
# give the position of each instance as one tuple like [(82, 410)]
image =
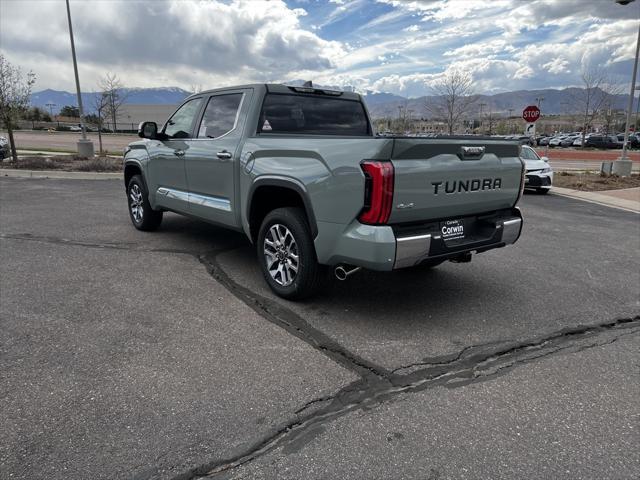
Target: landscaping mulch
[(67, 163), (594, 182)]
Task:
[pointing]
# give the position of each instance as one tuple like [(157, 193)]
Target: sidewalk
[(22, 153), (625, 199)]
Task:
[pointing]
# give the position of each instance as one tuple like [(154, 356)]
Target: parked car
[(5, 149), (568, 141), (544, 141), (634, 140), (555, 141), (300, 171), (75, 128), (523, 139), (602, 141), (538, 172)]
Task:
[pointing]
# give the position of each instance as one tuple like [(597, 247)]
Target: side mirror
[(148, 130), (545, 159)]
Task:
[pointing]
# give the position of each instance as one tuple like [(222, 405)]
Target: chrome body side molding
[(196, 199)]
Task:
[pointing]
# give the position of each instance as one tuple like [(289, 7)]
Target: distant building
[(130, 115)]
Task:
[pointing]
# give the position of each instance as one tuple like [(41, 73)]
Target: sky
[(400, 47)]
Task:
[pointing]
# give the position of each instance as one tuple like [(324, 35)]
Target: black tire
[(308, 278), (542, 191), (144, 218)]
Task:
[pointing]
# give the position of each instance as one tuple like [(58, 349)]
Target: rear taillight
[(522, 177), (378, 192)]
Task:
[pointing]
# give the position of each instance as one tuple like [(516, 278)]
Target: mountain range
[(136, 96), (380, 104)]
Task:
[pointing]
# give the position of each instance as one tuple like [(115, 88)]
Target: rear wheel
[(142, 215), (287, 255)]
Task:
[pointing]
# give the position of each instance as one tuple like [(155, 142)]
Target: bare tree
[(113, 90), (597, 93), (15, 91), (454, 98), (101, 103), (195, 88)]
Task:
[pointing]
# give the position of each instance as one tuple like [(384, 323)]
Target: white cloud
[(504, 44), (182, 41), (557, 65)]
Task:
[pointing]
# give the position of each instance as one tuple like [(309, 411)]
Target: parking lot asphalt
[(133, 355)]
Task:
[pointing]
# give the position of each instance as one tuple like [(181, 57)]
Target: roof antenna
[(308, 84)]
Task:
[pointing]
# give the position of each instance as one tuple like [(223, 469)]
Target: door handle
[(224, 155), (178, 153)]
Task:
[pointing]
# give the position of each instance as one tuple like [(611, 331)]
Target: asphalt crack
[(479, 364), (293, 323), (133, 247)]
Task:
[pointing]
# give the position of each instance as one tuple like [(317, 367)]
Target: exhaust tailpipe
[(342, 272)]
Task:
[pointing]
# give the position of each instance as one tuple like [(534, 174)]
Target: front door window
[(181, 123)]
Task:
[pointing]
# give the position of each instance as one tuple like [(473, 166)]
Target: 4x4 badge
[(402, 206)]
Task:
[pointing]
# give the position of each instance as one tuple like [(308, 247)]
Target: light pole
[(622, 165), (482, 105), (51, 105), (85, 146)]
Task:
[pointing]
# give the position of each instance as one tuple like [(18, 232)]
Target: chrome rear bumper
[(414, 249)]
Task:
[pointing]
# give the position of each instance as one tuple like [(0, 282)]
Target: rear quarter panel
[(328, 169)]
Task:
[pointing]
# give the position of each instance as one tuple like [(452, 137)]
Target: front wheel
[(542, 191), (142, 215), (287, 255)]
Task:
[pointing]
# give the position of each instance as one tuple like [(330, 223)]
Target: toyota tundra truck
[(301, 172)]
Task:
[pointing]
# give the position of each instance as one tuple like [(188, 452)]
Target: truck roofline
[(274, 88)]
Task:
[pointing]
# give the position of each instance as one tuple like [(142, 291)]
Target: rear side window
[(312, 115), (220, 115)]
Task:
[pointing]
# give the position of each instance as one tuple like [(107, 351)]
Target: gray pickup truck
[(300, 171)]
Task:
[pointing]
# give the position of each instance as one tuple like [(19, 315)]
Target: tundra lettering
[(300, 171), (468, 185)]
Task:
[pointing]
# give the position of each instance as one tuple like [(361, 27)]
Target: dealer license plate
[(452, 229)]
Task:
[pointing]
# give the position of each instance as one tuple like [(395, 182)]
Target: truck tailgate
[(448, 178)]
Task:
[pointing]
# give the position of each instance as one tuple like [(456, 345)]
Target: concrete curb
[(17, 173), (598, 198)]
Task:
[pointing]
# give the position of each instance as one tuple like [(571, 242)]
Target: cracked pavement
[(159, 356)]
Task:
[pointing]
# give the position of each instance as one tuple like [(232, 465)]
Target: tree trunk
[(100, 138), (12, 143)]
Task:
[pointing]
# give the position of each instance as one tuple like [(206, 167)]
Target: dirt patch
[(593, 182), (67, 163)]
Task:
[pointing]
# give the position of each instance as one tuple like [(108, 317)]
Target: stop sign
[(531, 113)]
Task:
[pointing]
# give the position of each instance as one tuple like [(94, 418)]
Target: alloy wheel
[(135, 203), (281, 254)]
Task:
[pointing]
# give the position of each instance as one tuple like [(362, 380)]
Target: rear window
[(312, 115)]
